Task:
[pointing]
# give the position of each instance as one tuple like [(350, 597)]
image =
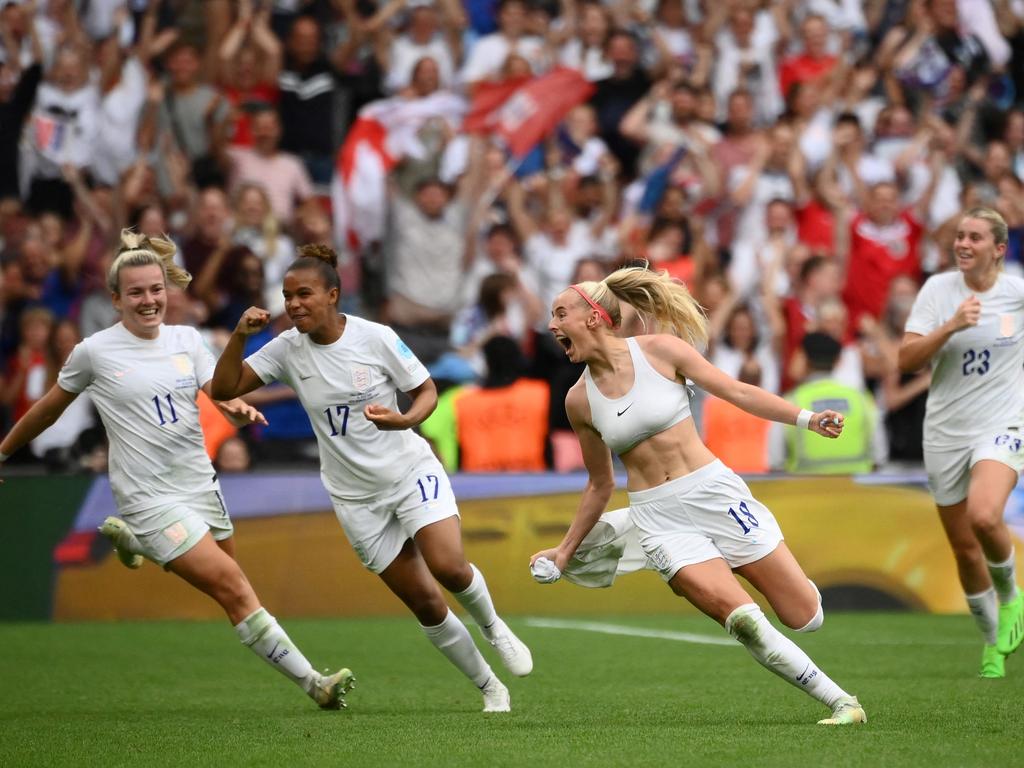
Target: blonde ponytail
[(138, 250), (654, 295)]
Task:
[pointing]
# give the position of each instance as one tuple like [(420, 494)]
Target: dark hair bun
[(320, 253)]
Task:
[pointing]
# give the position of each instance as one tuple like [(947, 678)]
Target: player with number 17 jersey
[(334, 382), (978, 375)]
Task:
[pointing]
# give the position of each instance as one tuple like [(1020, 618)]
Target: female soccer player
[(969, 324), (143, 377), (696, 519), (390, 493)]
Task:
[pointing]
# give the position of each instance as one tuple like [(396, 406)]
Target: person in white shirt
[(969, 324), (697, 521), (143, 377), (391, 495), (488, 55)]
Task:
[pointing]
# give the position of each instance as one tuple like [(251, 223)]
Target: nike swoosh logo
[(303, 378), (619, 413), (273, 651)]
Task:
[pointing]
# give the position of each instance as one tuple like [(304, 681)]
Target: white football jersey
[(334, 382), (978, 374), (145, 391)]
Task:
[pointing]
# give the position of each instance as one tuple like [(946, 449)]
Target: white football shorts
[(949, 471), (378, 528), (706, 514), (169, 531)]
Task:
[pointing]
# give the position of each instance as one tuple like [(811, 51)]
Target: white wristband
[(803, 420)]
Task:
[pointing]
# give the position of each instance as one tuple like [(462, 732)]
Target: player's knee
[(429, 609), (454, 575), (817, 618), (815, 623), (985, 520)]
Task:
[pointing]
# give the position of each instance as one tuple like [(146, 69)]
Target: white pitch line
[(618, 629), (689, 637)]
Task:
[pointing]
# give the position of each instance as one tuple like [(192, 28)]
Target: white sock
[(453, 640), (261, 633), (985, 609), (477, 600), (1004, 578), (781, 655)]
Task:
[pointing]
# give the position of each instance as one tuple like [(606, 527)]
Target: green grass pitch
[(188, 694)]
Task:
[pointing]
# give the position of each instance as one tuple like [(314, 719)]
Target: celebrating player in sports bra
[(697, 520)]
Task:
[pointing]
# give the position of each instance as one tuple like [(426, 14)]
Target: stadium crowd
[(800, 165)]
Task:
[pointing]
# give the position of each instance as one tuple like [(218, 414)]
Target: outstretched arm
[(236, 410), (40, 416), (600, 483), (689, 363)]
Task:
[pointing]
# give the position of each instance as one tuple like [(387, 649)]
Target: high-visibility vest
[(738, 438), (503, 429), (810, 453)]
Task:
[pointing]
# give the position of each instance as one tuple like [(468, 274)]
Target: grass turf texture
[(169, 693)]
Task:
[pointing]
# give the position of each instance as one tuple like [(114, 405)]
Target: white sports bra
[(652, 405)]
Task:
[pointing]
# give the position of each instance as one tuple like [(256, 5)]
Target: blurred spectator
[(819, 279), (739, 343), (209, 241), (63, 131), (122, 85), (28, 370), (18, 88), (488, 56), (746, 62), (281, 174), (250, 59), (617, 93), (903, 395), (814, 61), (257, 228), (59, 445), (426, 253), (192, 113), (884, 241), (776, 172), (504, 308), (318, 98), (586, 26), (245, 288), (425, 32)]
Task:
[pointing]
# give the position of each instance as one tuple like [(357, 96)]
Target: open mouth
[(566, 343), (151, 312)]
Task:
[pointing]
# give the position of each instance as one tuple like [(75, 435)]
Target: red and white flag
[(384, 132), (523, 112)]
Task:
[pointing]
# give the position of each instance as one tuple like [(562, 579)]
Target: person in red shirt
[(814, 63), (884, 242)]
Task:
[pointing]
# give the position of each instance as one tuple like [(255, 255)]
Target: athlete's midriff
[(670, 454)]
